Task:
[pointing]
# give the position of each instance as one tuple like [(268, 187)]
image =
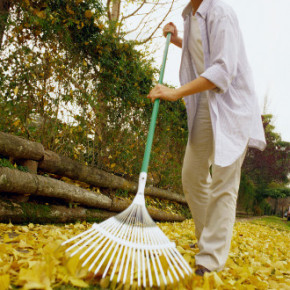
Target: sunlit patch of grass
[(273, 222)]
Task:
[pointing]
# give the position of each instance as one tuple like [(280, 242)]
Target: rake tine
[(170, 256), (125, 250), (76, 237), (134, 239), (147, 258), (91, 246), (143, 258), (116, 263), (171, 267), (114, 231), (94, 251), (132, 266), (153, 261), (119, 254), (98, 257), (122, 264), (111, 259), (80, 241), (183, 262), (158, 260), (104, 258), (161, 268), (127, 264), (128, 256), (138, 256)]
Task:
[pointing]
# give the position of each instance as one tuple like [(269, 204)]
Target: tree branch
[(151, 35), (109, 12), (134, 12), (141, 21)]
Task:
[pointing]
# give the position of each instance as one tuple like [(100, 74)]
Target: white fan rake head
[(130, 247)]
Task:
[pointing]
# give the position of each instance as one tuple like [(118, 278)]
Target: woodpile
[(34, 157), (72, 169)]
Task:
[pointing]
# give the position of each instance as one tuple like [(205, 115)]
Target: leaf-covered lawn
[(31, 258)]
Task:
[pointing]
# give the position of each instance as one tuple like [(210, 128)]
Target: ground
[(31, 257)]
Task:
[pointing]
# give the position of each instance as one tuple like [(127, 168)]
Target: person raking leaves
[(223, 120)]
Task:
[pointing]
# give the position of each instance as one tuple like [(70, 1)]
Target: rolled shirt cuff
[(217, 76)]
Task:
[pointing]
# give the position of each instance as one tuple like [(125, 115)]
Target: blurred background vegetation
[(71, 79)]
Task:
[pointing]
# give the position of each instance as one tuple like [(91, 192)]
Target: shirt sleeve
[(223, 44)]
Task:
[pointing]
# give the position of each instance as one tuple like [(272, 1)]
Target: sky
[(265, 25)]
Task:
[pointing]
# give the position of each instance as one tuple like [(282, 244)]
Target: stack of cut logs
[(35, 157)]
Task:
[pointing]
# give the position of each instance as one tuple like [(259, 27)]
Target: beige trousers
[(211, 199)]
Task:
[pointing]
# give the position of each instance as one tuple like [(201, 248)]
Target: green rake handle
[(152, 126)]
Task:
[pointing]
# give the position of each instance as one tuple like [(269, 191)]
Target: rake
[(130, 246)]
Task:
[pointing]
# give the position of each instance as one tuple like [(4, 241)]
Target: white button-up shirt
[(234, 108)]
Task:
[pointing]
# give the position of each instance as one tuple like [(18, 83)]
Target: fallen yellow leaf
[(4, 281)]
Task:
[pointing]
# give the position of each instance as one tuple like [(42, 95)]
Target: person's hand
[(163, 93), (170, 27)]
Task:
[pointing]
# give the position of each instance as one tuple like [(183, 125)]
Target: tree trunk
[(4, 13), (276, 205), (15, 181), (37, 213), (20, 148), (64, 166), (164, 216), (115, 10), (72, 169), (16, 212)]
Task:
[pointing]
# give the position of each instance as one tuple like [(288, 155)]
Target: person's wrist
[(174, 39), (176, 95)]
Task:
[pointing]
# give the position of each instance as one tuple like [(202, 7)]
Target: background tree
[(277, 192), (268, 167), (272, 164)]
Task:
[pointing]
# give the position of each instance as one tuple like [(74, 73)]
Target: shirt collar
[(202, 9)]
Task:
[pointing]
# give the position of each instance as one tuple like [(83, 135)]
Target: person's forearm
[(196, 86), (177, 42)]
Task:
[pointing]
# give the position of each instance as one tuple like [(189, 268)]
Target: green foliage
[(263, 208), (4, 162), (122, 193), (247, 192), (35, 213), (70, 82), (277, 192)]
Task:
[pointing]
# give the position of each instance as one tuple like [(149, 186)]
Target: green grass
[(273, 222), (4, 162)]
